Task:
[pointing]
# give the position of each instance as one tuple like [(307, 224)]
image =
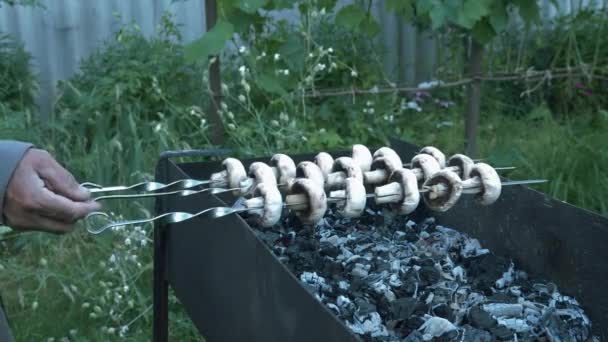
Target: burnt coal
[(391, 279)]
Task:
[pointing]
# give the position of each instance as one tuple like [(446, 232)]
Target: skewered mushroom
[(382, 167), (462, 165), (343, 168), (362, 157), (354, 198), (258, 173), (308, 200), (401, 192), (424, 166), (325, 162), (445, 188), (435, 153), (283, 167), (311, 171), (268, 197), (232, 175)]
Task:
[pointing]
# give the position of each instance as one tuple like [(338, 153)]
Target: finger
[(56, 206), (62, 181)]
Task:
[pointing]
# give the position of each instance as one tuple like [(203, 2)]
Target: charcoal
[(392, 279)]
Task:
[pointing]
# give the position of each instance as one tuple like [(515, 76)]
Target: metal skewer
[(182, 193), (181, 184)]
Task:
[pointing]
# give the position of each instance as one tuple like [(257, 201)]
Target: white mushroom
[(362, 157), (442, 190), (354, 198), (283, 167), (490, 183), (424, 166), (384, 151), (308, 200), (268, 197), (258, 173), (401, 191), (232, 175), (311, 171), (462, 165), (435, 153), (325, 162), (343, 168), (382, 167)]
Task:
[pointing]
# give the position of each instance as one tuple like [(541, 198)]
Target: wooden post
[(215, 82), (473, 69)]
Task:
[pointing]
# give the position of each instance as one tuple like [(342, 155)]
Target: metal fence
[(66, 31)]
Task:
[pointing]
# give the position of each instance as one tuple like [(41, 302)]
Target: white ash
[(390, 278)]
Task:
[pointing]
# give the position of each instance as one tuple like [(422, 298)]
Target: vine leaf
[(211, 43), (350, 16)]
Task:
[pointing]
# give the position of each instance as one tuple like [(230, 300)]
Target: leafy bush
[(132, 99), (17, 81)]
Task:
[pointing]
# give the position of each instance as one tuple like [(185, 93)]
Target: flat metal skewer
[(181, 184), (182, 193)]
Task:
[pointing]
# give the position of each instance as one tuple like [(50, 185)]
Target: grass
[(62, 273)]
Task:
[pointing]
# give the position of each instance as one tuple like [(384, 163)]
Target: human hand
[(42, 195)]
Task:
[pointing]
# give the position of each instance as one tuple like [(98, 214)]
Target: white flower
[(230, 115), (320, 67), (322, 130), (97, 309), (354, 73), (242, 49), (113, 258), (231, 126), (277, 56), (286, 72), (92, 315), (308, 79), (371, 110), (369, 103), (330, 50), (375, 89), (131, 303), (158, 127), (34, 306), (304, 138), (243, 70), (310, 55), (322, 11), (73, 332), (125, 288), (274, 123), (413, 105), (224, 107), (283, 117), (203, 123), (242, 98), (128, 242), (224, 87), (246, 86), (43, 262), (143, 242), (333, 65), (111, 331), (86, 305), (73, 288)]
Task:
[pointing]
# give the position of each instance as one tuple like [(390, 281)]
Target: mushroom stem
[(335, 180), (469, 186), (297, 201), (256, 205), (389, 193), (375, 176)]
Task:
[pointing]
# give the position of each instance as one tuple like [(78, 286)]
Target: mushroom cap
[(436, 153), (258, 173), (325, 162), (285, 166), (389, 162), (464, 163), (356, 197), (310, 170), (409, 185), (383, 151), (273, 204), (362, 157), (317, 200), (444, 202), (349, 167), (490, 183), (235, 173), (427, 164)]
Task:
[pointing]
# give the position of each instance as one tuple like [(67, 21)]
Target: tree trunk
[(473, 69), (215, 83)]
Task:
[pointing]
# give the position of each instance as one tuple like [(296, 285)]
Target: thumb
[(62, 182)]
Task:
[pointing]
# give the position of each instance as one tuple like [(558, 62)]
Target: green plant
[(132, 99), (18, 84)]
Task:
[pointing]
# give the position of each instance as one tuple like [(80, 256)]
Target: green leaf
[(528, 9), (293, 52), (270, 84), (211, 43), (369, 26), (350, 16), (499, 18), (472, 11), (483, 32), (402, 8), (438, 17), (251, 6)]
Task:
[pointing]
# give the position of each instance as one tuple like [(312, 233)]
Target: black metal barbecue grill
[(235, 289)]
